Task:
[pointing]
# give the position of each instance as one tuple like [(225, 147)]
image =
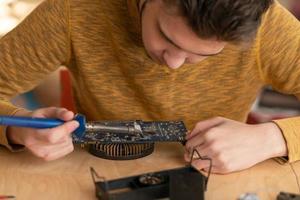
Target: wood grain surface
[(27, 177)]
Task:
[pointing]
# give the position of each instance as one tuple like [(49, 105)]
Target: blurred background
[(55, 90), (12, 12)]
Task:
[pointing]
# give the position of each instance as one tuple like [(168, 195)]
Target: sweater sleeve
[(279, 56), (35, 48)]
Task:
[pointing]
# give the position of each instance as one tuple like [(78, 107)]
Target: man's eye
[(164, 36)]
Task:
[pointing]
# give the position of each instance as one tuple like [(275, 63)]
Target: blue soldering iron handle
[(42, 123), (80, 131)]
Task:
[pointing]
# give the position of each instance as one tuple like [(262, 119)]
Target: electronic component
[(175, 184), (287, 196), (133, 132), (121, 151), (117, 140), (136, 131)]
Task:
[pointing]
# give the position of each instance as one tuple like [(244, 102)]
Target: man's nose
[(174, 59)]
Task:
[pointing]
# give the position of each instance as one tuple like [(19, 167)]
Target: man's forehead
[(179, 33)]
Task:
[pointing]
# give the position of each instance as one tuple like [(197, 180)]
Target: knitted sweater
[(114, 79)]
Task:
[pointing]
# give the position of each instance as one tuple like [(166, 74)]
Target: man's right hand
[(48, 144)]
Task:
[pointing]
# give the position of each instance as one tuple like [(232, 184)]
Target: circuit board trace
[(135, 131)]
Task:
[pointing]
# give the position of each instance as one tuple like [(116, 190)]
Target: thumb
[(54, 112), (57, 133)]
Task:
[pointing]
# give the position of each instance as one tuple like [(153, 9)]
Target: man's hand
[(48, 144), (232, 145)]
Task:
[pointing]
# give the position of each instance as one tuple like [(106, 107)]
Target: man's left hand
[(233, 145)]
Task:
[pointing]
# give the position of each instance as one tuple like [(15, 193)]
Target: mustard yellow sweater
[(100, 42)]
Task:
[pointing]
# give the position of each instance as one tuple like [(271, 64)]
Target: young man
[(203, 62)]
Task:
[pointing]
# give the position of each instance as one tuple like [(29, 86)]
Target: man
[(200, 61)]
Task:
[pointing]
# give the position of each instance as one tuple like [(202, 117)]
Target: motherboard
[(137, 131)]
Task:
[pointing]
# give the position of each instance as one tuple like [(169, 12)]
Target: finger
[(188, 133), (205, 125), (200, 164), (54, 112), (187, 157), (203, 150), (65, 115), (68, 148), (199, 140), (61, 113), (43, 150), (57, 134), (194, 142), (215, 170), (47, 112), (206, 169)]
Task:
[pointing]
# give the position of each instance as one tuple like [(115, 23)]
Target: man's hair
[(235, 21)]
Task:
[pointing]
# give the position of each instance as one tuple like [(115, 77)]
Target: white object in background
[(6, 2), (21, 9), (7, 24), (4, 11)]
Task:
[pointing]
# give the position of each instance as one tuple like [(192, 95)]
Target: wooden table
[(27, 177)]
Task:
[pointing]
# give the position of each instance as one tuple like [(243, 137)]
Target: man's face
[(170, 41)]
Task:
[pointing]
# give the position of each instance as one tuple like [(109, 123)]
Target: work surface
[(27, 177)]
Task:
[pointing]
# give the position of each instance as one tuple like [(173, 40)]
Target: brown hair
[(234, 21)]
